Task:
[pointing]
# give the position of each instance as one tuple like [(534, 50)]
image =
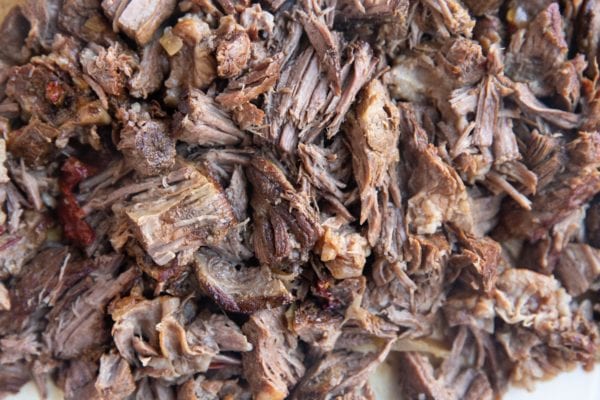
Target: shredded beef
[(236, 199)]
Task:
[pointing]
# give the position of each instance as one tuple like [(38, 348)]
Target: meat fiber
[(287, 226), (190, 211), (274, 366)]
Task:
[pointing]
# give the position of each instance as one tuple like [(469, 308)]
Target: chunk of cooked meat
[(33, 142), (287, 226), (147, 146), (343, 250), (14, 31), (115, 379), (252, 84), (239, 289), (151, 71), (77, 321), (201, 121), (189, 211), (274, 365), (437, 194), (340, 372), (578, 267), (111, 67), (168, 340), (372, 129), (233, 48), (42, 92), (139, 19)]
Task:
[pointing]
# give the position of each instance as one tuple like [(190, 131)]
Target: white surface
[(577, 385)]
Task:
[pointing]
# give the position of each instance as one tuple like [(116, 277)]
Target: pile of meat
[(236, 199)]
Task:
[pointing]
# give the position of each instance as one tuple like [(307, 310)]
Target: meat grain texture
[(235, 199)]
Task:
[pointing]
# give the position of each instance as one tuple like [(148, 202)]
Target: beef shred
[(270, 199)]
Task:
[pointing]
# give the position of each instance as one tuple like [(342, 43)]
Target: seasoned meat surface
[(268, 199)]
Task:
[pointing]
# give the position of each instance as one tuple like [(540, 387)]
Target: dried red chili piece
[(70, 214), (55, 93)]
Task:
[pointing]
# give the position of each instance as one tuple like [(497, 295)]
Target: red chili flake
[(322, 290), (74, 171), (55, 93), (70, 214)]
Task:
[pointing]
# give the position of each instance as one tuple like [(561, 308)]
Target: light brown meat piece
[(201, 121), (275, 364), (233, 48), (192, 210), (343, 250), (373, 130)]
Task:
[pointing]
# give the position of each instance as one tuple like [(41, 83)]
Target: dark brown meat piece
[(477, 262), (418, 378), (147, 146), (437, 193), (592, 224), (37, 287), (286, 226), (13, 33), (482, 7), (324, 42), (212, 389), (43, 19), (318, 327), (567, 193), (246, 290), (248, 117), (34, 142), (43, 93), (12, 377), (274, 365), (303, 96), (462, 59), (540, 50), (166, 340), (22, 244), (79, 380), (84, 19), (452, 18)]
